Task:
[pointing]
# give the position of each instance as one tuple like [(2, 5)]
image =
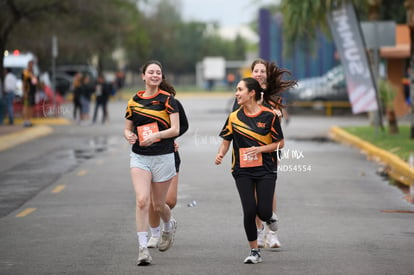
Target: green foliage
[(399, 143), (302, 19), (83, 29), (95, 28), (387, 93)]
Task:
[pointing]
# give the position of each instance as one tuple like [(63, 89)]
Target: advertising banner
[(347, 35)]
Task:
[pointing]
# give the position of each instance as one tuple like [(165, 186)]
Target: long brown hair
[(258, 61), (275, 84)]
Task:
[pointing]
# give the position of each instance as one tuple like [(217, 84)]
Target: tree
[(82, 30), (303, 18), (13, 12), (179, 45)]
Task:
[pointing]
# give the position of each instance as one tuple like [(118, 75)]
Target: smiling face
[(152, 75), (259, 73), (242, 93)]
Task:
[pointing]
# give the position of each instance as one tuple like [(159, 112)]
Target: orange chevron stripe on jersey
[(245, 130)]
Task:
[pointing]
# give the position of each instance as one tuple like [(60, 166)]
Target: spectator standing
[(102, 93), (86, 91), (30, 83), (1, 103), (77, 90), (10, 84)]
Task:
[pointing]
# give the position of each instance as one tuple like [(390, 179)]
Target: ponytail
[(276, 85)]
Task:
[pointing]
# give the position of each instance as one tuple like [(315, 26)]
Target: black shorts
[(30, 99), (177, 161)]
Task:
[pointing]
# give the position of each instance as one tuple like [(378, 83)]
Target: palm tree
[(302, 19)]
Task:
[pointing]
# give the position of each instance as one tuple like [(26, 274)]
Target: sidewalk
[(13, 135)]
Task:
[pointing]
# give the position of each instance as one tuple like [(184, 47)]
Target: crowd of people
[(83, 89)]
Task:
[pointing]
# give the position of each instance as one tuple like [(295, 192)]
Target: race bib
[(249, 160), (147, 129)]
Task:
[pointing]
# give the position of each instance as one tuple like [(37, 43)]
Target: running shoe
[(272, 222), (272, 240), (167, 238), (261, 237), (254, 257), (144, 258), (153, 242)]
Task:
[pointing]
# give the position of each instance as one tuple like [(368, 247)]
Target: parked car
[(329, 87), (73, 69), (63, 83)]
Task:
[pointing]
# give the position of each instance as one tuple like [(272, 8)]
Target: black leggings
[(265, 188)]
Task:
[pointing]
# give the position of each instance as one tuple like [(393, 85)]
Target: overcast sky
[(226, 12)]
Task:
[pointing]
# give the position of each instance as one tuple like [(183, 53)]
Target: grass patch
[(399, 144)]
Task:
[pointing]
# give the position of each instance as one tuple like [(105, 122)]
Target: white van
[(17, 62)]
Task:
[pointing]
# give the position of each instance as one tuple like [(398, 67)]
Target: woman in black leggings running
[(256, 133)]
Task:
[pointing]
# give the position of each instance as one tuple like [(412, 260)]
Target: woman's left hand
[(252, 151), (150, 139)]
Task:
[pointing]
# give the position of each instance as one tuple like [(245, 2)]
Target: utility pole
[(54, 56), (409, 5)]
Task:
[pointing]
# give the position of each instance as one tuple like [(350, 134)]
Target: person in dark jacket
[(86, 91), (102, 92)]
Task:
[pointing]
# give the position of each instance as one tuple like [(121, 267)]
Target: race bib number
[(249, 160), (146, 130)]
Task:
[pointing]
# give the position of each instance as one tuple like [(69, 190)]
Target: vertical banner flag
[(347, 35)]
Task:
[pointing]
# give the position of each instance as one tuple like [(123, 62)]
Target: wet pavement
[(337, 216)]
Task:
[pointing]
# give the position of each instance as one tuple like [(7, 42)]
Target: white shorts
[(162, 167)]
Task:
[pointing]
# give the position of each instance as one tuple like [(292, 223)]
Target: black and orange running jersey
[(146, 110), (247, 131)]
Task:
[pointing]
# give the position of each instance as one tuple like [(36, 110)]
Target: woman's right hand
[(132, 138), (219, 158)]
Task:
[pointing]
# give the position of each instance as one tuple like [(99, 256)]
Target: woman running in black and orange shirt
[(256, 133), (152, 123), (260, 68)]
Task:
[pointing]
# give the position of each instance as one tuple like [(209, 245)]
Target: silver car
[(329, 87)]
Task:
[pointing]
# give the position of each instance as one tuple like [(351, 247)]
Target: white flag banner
[(347, 35)]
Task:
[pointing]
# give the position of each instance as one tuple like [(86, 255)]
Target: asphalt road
[(68, 204)]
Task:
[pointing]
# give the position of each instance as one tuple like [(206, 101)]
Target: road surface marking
[(82, 173), (25, 212), (58, 189)]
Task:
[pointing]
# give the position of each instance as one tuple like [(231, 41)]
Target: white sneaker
[(153, 242), (144, 258), (261, 237), (254, 257), (167, 238), (272, 222), (272, 240)]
